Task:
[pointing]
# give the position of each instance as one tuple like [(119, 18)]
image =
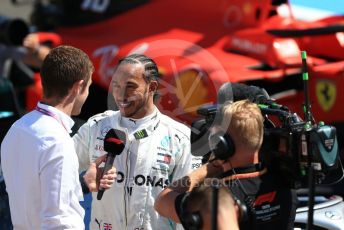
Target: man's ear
[(77, 87), (153, 86)]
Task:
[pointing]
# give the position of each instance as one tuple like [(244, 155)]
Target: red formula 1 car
[(199, 45)]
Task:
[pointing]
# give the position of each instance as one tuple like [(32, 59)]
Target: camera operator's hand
[(92, 176), (185, 184), (220, 165), (31, 42), (35, 51), (216, 162)]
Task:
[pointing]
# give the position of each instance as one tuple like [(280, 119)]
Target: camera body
[(12, 31), (290, 145), (200, 131), (293, 146)]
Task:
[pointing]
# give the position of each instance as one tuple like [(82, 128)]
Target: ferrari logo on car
[(326, 93)]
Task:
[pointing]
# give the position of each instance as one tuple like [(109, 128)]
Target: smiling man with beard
[(157, 149)]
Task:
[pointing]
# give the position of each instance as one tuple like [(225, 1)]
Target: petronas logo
[(140, 134)]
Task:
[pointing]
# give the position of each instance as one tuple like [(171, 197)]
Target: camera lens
[(12, 31)]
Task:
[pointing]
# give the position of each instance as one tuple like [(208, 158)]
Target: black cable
[(342, 176), (248, 200), (214, 206), (311, 194)]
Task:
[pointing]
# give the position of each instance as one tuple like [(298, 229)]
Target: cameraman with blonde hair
[(235, 141)]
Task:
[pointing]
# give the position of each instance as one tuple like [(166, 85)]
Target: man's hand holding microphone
[(95, 177), (100, 179)]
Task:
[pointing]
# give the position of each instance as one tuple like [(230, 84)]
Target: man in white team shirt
[(157, 150)]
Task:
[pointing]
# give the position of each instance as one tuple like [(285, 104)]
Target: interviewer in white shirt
[(39, 162)]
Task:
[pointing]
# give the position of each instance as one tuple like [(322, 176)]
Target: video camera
[(295, 145), (12, 31), (290, 145)]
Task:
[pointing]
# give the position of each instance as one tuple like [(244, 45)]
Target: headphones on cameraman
[(190, 220), (194, 221), (222, 145)]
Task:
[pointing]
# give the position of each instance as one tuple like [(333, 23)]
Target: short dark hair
[(61, 68), (201, 197), (151, 70)]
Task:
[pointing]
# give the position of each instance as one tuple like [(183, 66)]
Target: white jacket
[(162, 155)]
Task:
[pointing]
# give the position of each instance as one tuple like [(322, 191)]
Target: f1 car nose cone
[(333, 215)]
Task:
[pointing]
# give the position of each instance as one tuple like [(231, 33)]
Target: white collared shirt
[(40, 168)]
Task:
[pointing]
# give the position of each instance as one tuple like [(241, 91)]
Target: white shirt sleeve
[(82, 143), (60, 188)]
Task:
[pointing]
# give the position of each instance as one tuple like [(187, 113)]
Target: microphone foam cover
[(114, 141)]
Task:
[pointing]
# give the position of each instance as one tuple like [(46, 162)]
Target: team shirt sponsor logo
[(140, 134), (176, 136), (99, 148), (164, 149), (161, 169), (104, 131), (165, 141), (107, 226), (196, 165), (164, 158), (142, 180)]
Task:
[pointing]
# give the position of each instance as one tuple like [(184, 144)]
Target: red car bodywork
[(199, 45)]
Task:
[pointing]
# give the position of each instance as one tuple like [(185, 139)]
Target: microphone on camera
[(114, 143), (238, 91)]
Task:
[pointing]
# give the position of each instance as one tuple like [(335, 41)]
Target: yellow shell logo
[(326, 92)]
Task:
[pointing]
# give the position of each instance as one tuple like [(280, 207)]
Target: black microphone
[(237, 91), (114, 143)]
